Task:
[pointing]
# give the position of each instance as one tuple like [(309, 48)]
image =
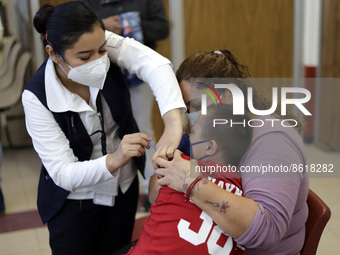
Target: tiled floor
[(20, 170)]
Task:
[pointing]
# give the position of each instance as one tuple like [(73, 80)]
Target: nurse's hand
[(132, 145), (171, 136)]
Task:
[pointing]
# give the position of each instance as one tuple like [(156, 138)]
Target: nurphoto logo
[(301, 97)]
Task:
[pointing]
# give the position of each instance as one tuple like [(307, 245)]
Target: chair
[(319, 214), (8, 77), (10, 96), (6, 52)]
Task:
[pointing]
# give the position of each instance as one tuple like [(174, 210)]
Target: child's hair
[(234, 139), (61, 26), (223, 64)]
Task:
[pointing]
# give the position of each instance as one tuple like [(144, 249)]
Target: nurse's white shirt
[(91, 179)]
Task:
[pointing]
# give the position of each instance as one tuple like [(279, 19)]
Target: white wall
[(311, 32), (177, 38), (306, 35)]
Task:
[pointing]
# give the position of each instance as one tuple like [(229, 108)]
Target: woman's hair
[(212, 64), (61, 26), (223, 64)]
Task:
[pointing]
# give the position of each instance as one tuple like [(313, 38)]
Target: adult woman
[(270, 218), (78, 114)]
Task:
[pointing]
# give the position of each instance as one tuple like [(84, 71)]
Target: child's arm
[(154, 188)]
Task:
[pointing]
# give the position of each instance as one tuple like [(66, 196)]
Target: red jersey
[(177, 226)]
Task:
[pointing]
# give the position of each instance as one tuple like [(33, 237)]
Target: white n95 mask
[(91, 74)]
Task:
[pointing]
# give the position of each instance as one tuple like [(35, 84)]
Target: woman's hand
[(131, 146), (171, 137), (241, 210), (176, 173), (111, 23)]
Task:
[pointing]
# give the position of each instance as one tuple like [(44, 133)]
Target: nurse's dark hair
[(62, 25)]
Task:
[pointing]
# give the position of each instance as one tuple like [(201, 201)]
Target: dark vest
[(50, 196)]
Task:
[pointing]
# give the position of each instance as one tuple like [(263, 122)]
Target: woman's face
[(191, 96), (90, 46)]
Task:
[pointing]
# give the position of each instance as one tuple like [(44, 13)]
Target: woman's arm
[(54, 150), (150, 67), (171, 136), (279, 194), (157, 71), (263, 216), (231, 212)]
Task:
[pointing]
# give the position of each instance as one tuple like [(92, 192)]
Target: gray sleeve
[(155, 25)]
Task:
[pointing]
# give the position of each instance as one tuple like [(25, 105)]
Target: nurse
[(78, 114)]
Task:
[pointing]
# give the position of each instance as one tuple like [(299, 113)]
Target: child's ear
[(212, 148)]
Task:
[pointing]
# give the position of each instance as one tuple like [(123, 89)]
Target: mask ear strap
[(65, 63), (64, 60), (200, 142), (62, 68)]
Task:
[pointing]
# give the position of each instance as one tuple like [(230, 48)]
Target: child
[(178, 226)]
